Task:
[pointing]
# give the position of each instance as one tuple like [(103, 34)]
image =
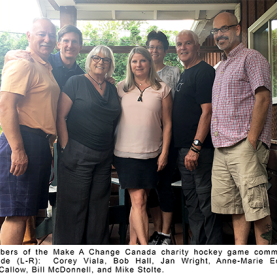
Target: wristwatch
[(197, 142)]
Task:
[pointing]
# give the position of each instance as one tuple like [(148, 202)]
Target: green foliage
[(106, 33), (10, 42)]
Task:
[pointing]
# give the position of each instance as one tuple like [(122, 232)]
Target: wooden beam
[(113, 15), (172, 49), (244, 22), (54, 5), (68, 15), (155, 15)]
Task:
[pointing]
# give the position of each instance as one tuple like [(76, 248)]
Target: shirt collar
[(59, 63), (233, 53), (38, 58)]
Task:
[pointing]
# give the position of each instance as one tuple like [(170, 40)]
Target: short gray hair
[(41, 18), (189, 32), (107, 52)]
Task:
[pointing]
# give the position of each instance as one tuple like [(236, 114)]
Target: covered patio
[(202, 12)]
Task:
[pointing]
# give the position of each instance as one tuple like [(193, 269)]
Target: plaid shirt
[(233, 97)]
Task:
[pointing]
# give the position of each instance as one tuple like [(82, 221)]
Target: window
[(262, 36)]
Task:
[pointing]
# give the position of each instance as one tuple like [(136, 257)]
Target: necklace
[(99, 84)]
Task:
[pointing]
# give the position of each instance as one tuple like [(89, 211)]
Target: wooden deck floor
[(114, 237)]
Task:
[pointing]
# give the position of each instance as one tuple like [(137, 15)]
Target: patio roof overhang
[(201, 11)]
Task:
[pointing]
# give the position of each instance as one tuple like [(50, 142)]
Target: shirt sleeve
[(178, 75), (165, 90), (70, 88), (258, 71), (16, 77), (120, 90), (204, 84)]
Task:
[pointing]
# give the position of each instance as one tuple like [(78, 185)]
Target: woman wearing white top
[(161, 200), (143, 136)]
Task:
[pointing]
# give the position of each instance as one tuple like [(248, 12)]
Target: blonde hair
[(107, 52), (153, 76)]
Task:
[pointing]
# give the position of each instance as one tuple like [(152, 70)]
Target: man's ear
[(58, 45), (238, 30)]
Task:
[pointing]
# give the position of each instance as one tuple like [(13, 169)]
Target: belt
[(265, 145), (38, 132)]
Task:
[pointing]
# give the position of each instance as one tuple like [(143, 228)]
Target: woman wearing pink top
[(143, 135)]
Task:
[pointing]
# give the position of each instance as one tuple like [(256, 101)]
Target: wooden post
[(244, 22), (68, 15)]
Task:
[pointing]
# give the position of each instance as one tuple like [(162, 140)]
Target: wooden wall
[(251, 10), (211, 58)]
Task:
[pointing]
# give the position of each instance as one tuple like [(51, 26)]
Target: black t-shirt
[(92, 118), (193, 89)]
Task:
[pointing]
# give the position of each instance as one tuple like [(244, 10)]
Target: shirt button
[(215, 133), (219, 84), (216, 96), (215, 119), (215, 108)]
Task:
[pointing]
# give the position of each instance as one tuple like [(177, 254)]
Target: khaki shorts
[(239, 180)]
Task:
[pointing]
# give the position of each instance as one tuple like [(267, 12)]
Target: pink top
[(236, 80), (139, 132)]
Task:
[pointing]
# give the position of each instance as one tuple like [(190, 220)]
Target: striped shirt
[(233, 97)]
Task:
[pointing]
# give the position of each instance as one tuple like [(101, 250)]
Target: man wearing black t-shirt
[(192, 110)]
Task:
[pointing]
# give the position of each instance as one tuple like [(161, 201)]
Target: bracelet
[(195, 148), (196, 151)]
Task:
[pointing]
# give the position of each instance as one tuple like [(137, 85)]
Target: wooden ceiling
[(201, 11)]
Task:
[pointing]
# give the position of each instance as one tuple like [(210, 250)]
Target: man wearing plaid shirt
[(241, 133)]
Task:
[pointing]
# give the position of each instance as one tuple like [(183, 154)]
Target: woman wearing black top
[(88, 111)]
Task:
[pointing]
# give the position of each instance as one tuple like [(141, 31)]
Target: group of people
[(216, 125)]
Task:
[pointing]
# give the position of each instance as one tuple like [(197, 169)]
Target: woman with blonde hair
[(143, 135), (88, 111)]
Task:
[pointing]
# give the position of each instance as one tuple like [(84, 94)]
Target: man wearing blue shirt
[(64, 62)]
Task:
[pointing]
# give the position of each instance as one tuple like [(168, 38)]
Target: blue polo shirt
[(62, 73)]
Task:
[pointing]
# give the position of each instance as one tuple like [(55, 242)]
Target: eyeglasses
[(223, 29), (157, 47), (97, 59)]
